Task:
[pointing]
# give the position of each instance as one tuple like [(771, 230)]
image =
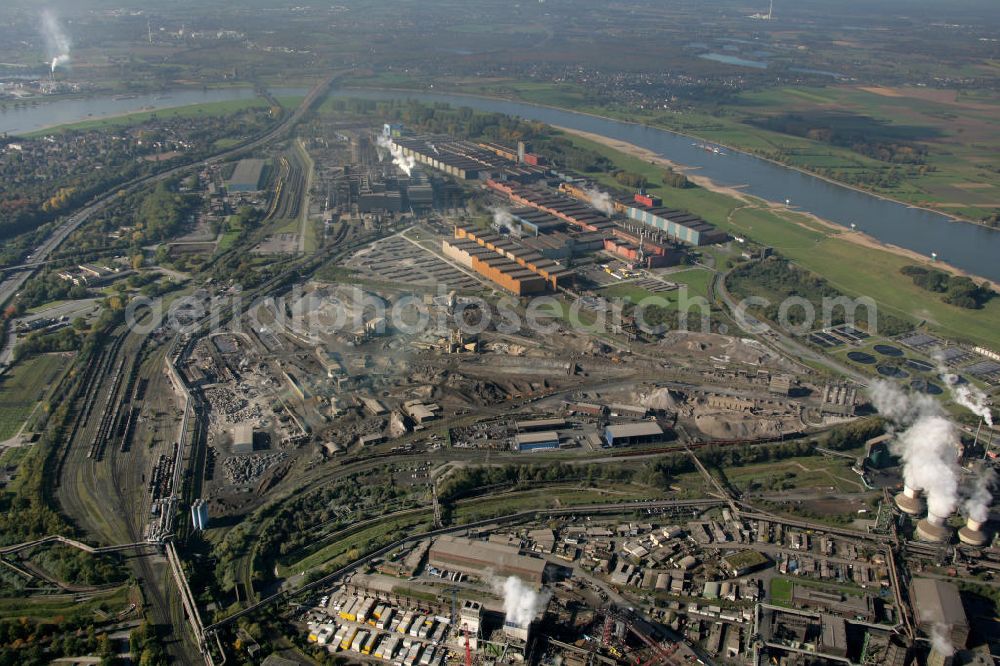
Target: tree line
[(956, 290)]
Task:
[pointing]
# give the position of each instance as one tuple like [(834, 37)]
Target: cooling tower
[(933, 529), (973, 534), (909, 501)]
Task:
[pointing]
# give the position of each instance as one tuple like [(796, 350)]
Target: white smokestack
[(59, 60), (56, 41), (928, 445), (405, 163), (521, 602), (600, 200), (966, 395)]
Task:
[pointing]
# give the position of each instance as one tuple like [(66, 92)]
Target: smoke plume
[(502, 217), (928, 444), (893, 403), (600, 200), (56, 41), (968, 396), (521, 602), (405, 163), (940, 641), (977, 505)]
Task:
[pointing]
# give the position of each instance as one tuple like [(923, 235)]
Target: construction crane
[(661, 654), (468, 649)]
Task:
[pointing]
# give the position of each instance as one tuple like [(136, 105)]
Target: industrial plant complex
[(437, 399)]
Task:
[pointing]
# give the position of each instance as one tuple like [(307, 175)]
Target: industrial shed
[(937, 603), (537, 441), (481, 558), (629, 434), (247, 177)]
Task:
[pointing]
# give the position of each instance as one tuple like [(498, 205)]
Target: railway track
[(85, 396), (98, 471)]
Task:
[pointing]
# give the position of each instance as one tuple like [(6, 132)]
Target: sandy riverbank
[(856, 237)]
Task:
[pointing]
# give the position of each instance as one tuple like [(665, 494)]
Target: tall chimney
[(909, 501), (933, 529), (973, 533)]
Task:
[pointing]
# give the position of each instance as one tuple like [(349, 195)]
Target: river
[(33, 117), (967, 246)]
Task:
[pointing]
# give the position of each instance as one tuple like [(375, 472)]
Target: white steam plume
[(59, 60), (891, 402), (406, 163), (928, 444), (977, 505), (929, 450), (940, 641), (966, 395), (502, 217), (56, 40), (600, 200), (521, 602)]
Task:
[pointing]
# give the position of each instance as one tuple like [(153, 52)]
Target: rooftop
[(483, 554), (538, 437), (247, 175), (645, 429), (938, 602), (538, 424)]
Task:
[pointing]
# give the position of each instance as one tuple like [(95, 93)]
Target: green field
[(357, 544), (818, 472), (232, 232), (227, 240), (23, 387), (697, 280), (781, 591)]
